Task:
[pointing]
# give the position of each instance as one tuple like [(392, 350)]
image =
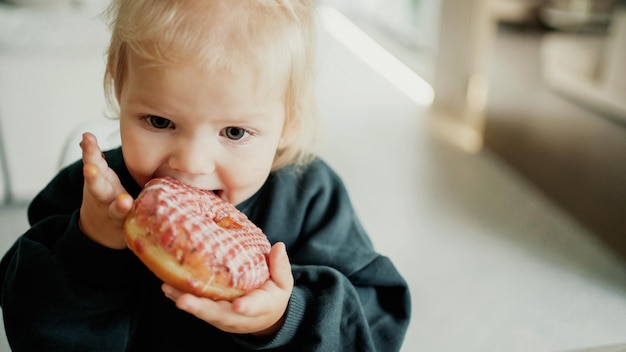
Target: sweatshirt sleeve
[(65, 291), (61, 290), (347, 297)]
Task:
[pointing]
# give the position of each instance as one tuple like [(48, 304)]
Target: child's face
[(214, 131)]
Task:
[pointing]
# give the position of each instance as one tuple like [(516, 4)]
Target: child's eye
[(234, 133), (159, 122)]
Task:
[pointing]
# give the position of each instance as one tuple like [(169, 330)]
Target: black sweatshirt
[(63, 292)]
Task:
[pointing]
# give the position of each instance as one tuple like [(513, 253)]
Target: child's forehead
[(257, 76), (176, 61)]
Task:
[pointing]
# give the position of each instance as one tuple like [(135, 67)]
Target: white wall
[(51, 68)]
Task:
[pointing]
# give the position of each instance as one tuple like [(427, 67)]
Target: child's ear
[(288, 135), (284, 141)]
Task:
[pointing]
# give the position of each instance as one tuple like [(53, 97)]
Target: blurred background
[(482, 142)]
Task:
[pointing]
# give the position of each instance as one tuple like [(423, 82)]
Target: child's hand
[(259, 312), (105, 202)]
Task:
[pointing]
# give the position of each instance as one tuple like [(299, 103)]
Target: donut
[(193, 240)]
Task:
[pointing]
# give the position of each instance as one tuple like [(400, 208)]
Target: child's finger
[(91, 152), (94, 169), (121, 206), (171, 292), (97, 184), (205, 309), (280, 268), (281, 278)]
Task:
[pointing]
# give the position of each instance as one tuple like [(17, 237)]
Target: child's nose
[(194, 158)]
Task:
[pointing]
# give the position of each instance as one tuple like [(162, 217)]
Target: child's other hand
[(259, 312), (105, 202)]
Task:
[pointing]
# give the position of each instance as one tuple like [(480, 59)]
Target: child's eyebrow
[(246, 115), (150, 107), (243, 119)]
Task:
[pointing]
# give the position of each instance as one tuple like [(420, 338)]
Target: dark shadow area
[(572, 154)]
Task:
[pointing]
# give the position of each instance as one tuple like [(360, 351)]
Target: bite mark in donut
[(195, 241)]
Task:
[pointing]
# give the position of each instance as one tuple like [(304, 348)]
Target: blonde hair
[(277, 36)]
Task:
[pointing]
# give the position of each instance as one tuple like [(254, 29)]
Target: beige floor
[(493, 265)]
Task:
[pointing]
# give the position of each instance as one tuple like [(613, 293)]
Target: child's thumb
[(280, 267)]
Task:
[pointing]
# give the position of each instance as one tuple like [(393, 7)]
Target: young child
[(220, 95)]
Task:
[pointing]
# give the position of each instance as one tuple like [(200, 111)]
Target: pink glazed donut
[(193, 240)]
